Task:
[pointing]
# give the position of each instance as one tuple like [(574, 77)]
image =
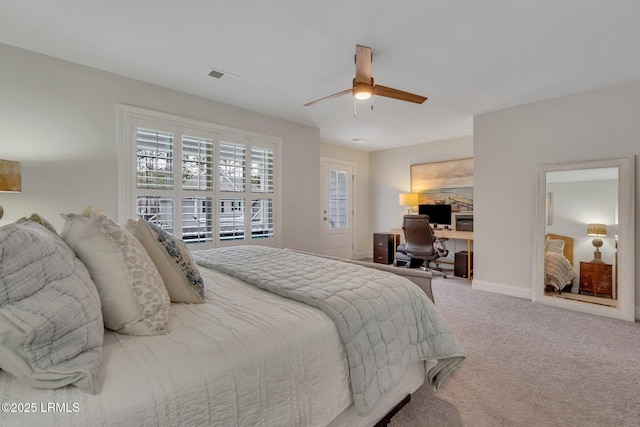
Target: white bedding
[(386, 322), (289, 371)]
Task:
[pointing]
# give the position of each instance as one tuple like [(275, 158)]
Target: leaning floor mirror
[(584, 237)]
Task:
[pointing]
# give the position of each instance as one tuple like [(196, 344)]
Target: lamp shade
[(408, 199), (596, 230), (10, 176)]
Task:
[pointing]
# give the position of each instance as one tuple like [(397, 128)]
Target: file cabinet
[(384, 247)]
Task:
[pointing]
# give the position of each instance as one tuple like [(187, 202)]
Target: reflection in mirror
[(583, 253), (582, 219)]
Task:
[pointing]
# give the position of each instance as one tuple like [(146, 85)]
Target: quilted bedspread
[(558, 270), (386, 322)]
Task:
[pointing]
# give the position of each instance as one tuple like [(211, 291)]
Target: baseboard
[(363, 255), (514, 291), (499, 288)]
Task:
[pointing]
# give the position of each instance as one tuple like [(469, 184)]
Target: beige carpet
[(530, 365)]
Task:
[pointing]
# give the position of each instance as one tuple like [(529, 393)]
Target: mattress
[(245, 357)]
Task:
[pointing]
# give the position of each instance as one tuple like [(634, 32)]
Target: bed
[(247, 353), (559, 271)]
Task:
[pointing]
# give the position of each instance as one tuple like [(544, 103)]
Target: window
[(154, 155), (232, 167), (338, 199), (166, 171)]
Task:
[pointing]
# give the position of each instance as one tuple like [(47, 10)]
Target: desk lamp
[(597, 230), (10, 178), (409, 200)]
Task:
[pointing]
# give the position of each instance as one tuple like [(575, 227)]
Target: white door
[(337, 208)]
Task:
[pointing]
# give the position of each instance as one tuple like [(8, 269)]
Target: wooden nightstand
[(596, 279)]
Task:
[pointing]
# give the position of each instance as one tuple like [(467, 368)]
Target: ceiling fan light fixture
[(363, 94), (362, 91)]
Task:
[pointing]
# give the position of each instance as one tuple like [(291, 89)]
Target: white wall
[(59, 120), (576, 204), (509, 143), (363, 238), (390, 175)]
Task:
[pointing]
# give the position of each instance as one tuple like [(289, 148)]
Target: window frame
[(130, 118)]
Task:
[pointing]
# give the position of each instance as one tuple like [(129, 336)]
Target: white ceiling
[(466, 56)]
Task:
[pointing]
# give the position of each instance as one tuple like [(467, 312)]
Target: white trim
[(626, 309), (499, 288), (556, 302), (205, 126), (362, 255), (123, 173), (354, 215), (125, 195)]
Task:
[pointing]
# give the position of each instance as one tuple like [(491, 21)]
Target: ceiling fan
[(364, 86)]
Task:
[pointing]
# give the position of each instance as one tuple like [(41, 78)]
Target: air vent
[(224, 76)]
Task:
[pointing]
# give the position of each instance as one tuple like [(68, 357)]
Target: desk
[(458, 235)]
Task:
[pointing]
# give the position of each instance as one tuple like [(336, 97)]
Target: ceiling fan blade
[(335, 95), (363, 64), (398, 94)]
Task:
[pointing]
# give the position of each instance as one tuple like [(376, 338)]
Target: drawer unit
[(596, 279), (384, 247), (463, 260)]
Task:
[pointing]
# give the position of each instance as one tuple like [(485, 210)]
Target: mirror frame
[(626, 239)]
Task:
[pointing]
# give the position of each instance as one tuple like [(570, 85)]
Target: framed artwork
[(449, 182)]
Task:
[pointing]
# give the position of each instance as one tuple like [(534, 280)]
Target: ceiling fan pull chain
[(355, 107), (371, 103)]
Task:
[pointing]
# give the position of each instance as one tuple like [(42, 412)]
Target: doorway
[(337, 208)]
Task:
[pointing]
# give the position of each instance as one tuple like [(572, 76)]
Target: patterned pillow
[(173, 260), (555, 245), (51, 326), (134, 298)]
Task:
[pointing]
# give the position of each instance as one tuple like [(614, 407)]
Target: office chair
[(421, 245)]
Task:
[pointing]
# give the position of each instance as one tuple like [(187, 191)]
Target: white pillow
[(133, 295), (51, 326), (555, 245), (173, 260)]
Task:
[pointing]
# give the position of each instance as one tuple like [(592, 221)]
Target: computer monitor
[(438, 214)]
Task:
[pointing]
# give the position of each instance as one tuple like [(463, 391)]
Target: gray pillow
[(51, 324)]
